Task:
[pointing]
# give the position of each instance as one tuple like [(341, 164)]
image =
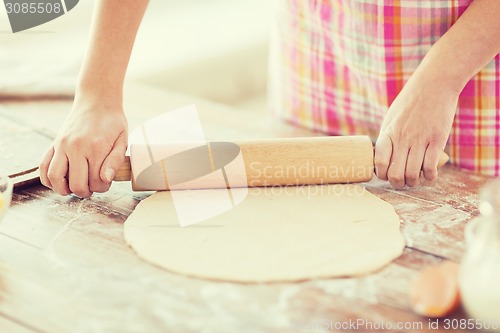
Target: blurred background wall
[(214, 49)]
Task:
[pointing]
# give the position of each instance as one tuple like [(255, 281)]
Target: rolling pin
[(264, 162)]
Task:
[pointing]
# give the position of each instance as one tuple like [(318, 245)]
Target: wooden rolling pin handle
[(443, 159), (285, 161), (125, 172)]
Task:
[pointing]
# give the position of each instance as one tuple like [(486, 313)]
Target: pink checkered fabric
[(337, 65)]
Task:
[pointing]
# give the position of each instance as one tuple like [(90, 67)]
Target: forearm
[(114, 27), (467, 46)]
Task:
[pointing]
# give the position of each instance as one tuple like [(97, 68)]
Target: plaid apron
[(337, 65)]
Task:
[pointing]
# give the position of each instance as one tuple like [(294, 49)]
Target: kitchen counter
[(64, 266)]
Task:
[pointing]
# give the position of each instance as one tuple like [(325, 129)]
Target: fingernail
[(109, 174)]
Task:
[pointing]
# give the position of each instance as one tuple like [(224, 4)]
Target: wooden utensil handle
[(125, 172), (292, 161), (301, 161), (304, 161), (443, 159)]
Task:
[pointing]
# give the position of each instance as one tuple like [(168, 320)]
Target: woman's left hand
[(415, 131)]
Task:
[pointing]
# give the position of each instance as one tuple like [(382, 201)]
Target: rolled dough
[(275, 234)]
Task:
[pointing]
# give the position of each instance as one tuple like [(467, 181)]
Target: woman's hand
[(418, 123), (91, 145), (88, 150), (415, 131)]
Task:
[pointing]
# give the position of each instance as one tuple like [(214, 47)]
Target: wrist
[(448, 65), (99, 93), (439, 81)]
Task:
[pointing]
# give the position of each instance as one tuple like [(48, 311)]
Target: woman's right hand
[(88, 150), (91, 144)]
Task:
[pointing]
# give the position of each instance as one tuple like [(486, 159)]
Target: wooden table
[(64, 266)]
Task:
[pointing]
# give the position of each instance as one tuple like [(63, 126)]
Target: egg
[(435, 293)]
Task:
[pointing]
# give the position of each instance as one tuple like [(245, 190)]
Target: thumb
[(383, 155), (115, 159)]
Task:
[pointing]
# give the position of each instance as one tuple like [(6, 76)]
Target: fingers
[(414, 165), (431, 160), (115, 159), (56, 169), (403, 166), (397, 166), (44, 167), (79, 176), (95, 162), (383, 154), (102, 168), (57, 172), (96, 184)]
